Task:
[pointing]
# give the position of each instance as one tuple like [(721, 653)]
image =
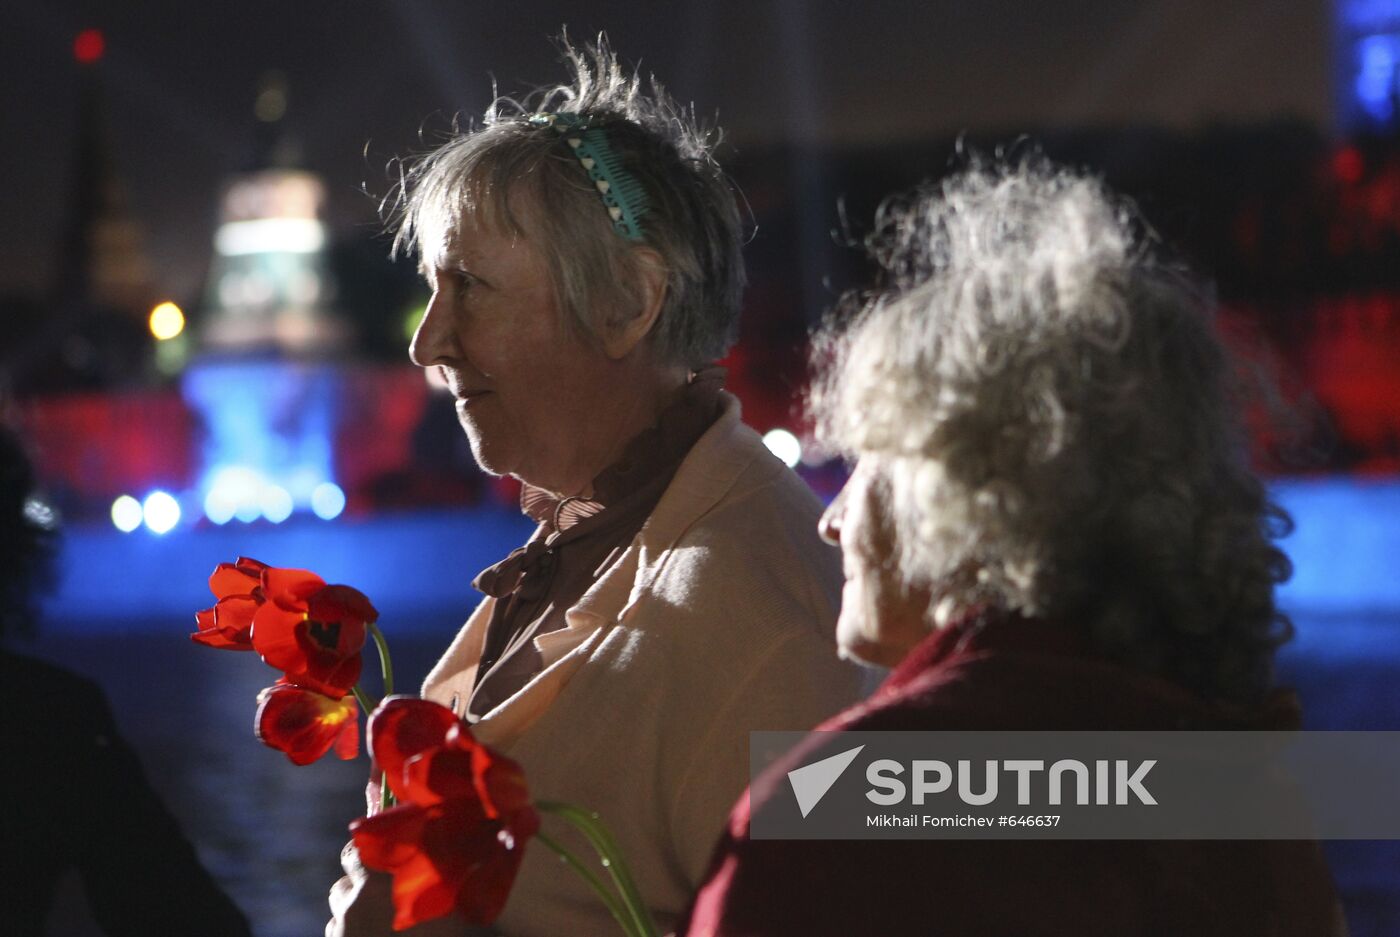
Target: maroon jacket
[(1014, 674)]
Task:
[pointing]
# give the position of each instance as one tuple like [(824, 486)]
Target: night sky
[(365, 77)]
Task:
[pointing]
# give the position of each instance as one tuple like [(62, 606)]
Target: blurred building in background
[(269, 288), (265, 376)]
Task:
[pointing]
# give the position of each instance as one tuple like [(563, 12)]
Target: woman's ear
[(623, 337)]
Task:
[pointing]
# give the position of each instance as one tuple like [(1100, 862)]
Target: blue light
[(327, 500), (233, 491), (1375, 79), (276, 504), (218, 507), (1362, 15), (1368, 64), (270, 425)]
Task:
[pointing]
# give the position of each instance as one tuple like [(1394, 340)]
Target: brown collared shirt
[(577, 540)]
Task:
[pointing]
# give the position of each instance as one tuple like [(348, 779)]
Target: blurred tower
[(269, 287), (104, 260), (93, 332)]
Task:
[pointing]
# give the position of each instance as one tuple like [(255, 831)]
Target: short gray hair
[(1058, 424), (692, 222)]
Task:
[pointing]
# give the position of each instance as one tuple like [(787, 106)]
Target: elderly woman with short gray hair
[(1051, 525), (584, 254)]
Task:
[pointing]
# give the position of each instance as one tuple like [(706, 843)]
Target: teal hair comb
[(621, 192)]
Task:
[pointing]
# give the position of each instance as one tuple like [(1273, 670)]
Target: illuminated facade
[(269, 288)]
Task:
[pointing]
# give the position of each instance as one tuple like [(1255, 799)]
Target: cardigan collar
[(987, 631), (983, 629)]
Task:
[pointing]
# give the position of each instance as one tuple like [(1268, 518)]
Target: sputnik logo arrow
[(811, 782)]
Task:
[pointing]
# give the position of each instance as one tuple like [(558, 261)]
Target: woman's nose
[(432, 340), (829, 527)]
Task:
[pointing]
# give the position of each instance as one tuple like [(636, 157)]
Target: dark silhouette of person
[(73, 796)]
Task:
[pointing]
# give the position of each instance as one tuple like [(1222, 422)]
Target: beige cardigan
[(716, 621)]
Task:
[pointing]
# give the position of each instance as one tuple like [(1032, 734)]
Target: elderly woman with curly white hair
[(1051, 525), (584, 254)]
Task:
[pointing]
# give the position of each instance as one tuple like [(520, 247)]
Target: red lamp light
[(1348, 165), (89, 46)]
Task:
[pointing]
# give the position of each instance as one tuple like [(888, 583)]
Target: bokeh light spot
[(271, 105), (167, 320), (126, 514), (89, 46), (162, 512), (276, 504), (784, 445), (327, 500), (219, 507)]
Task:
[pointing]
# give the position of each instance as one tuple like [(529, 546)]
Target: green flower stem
[(386, 796), (623, 917), (386, 672), (587, 823), (386, 799), (386, 667), (360, 697)]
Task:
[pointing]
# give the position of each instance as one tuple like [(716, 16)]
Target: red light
[(89, 46), (1348, 165)]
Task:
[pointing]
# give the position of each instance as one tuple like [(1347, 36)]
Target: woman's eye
[(463, 281), (460, 280)]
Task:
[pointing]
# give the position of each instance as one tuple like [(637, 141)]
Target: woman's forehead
[(462, 236)]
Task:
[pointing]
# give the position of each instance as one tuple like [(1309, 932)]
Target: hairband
[(622, 194)]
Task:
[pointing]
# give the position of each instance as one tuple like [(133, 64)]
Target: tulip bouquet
[(314, 633), (455, 815)]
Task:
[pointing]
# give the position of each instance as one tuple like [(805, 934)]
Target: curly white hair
[(1057, 424)]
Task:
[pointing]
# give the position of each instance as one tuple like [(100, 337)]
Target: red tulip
[(456, 840), (304, 724), (238, 588), (403, 727), (311, 631)]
